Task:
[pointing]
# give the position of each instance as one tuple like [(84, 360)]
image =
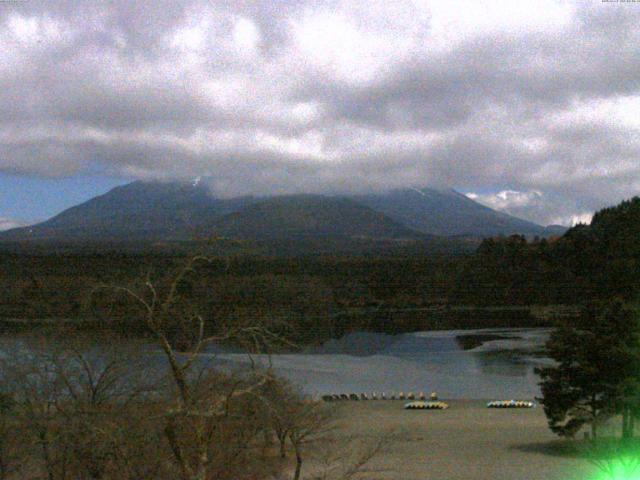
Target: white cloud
[(7, 223), (332, 44), (538, 95), (507, 199), (573, 220), (457, 22), (39, 32), (246, 36), (619, 111)]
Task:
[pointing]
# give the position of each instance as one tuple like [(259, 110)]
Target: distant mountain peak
[(446, 212), (156, 211)]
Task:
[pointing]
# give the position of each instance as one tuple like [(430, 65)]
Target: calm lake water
[(474, 364), (422, 361)]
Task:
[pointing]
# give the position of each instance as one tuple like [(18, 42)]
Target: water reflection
[(497, 363), (500, 366)]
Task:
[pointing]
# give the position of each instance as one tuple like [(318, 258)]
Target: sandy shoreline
[(467, 441)]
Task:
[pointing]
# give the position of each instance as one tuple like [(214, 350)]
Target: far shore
[(401, 320)]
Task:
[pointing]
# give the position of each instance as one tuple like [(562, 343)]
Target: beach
[(466, 441)]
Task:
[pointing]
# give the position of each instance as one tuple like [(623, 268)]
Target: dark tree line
[(599, 260), (597, 354), (327, 296)]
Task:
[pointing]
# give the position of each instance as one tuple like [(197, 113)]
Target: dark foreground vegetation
[(97, 407), (90, 408), (597, 371), (596, 375)]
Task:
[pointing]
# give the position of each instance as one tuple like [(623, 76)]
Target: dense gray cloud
[(532, 107)]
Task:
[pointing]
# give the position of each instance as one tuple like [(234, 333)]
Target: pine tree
[(597, 370)]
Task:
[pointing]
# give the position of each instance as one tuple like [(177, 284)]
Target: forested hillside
[(321, 296), (600, 260)]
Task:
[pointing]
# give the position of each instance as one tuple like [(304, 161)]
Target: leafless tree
[(310, 427), (281, 401), (73, 400), (310, 420), (200, 407), (32, 381), (104, 408), (348, 458), (9, 456)]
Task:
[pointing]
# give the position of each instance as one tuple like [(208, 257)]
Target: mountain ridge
[(300, 216), (155, 211), (422, 210)]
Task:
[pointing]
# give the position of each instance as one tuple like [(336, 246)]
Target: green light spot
[(625, 468)]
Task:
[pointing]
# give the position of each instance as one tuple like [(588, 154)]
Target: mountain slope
[(152, 211), (446, 212), (300, 216), (137, 211)]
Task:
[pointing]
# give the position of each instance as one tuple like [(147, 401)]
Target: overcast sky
[(529, 106)]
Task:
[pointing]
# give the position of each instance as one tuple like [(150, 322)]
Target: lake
[(471, 364), (474, 364)]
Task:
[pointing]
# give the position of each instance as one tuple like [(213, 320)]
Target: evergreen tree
[(597, 370)]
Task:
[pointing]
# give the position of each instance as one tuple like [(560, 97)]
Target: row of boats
[(510, 404), (419, 402), (422, 405), (375, 396)]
